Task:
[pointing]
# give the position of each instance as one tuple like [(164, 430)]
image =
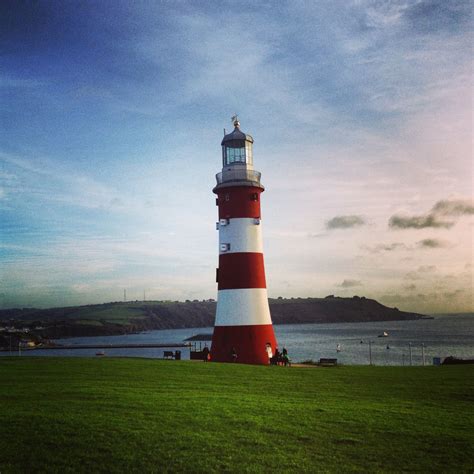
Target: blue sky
[(112, 116)]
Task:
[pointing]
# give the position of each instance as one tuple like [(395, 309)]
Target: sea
[(414, 342)]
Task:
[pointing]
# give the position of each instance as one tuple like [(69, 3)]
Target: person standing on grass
[(205, 354), (268, 348), (233, 355)]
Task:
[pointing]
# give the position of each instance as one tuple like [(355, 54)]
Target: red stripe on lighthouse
[(248, 342), (241, 270), (239, 201)]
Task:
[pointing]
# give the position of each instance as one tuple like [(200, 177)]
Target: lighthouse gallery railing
[(238, 175)]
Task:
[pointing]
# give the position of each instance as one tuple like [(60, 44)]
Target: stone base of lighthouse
[(243, 324)]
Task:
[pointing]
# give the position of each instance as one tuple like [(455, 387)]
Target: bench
[(280, 361), (196, 355), (168, 354), (327, 362)]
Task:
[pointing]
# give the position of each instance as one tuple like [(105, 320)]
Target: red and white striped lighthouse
[(243, 328)]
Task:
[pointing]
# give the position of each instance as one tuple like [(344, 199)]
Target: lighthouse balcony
[(239, 177)]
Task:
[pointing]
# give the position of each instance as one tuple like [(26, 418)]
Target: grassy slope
[(118, 415), (117, 313)]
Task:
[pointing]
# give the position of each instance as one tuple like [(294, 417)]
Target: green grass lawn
[(119, 415)]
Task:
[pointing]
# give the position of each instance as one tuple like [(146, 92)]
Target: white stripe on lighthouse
[(242, 307), (243, 234)]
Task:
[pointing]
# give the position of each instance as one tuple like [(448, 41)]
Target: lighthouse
[(243, 330)]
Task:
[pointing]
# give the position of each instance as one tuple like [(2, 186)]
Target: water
[(442, 336)]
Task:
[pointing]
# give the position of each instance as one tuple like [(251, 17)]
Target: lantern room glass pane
[(237, 154), (248, 153)]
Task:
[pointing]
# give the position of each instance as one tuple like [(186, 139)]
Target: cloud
[(383, 14), (418, 222), (13, 82), (350, 283), (437, 16), (345, 222), (387, 247), (410, 287), (453, 294), (427, 269), (421, 273), (317, 236), (458, 207), (425, 244), (432, 243), (454, 208), (50, 181), (412, 276)]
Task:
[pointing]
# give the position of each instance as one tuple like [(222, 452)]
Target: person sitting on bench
[(276, 359)]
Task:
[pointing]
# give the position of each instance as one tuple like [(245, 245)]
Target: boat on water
[(384, 334), (100, 353), (338, 348)]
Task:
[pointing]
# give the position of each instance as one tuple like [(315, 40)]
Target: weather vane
[(235, 120)]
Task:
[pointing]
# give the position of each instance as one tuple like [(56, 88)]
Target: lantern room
[(237, 147)]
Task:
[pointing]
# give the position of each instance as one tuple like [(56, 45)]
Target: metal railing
[(238, 175)]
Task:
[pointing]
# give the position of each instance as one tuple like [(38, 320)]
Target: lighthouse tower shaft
[(243, 328)]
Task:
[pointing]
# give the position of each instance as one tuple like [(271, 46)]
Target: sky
[(112, 113)]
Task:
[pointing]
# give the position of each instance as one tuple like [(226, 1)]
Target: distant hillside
[(122, 318)]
